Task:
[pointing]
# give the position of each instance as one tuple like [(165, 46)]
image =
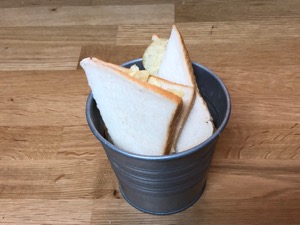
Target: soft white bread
[(197, 128), (176, 66), (141, 118), (183, 91)]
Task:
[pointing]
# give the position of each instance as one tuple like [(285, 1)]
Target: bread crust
[(186, 55), (172, 131), (176, 42), (155, 89), (182, 117), (191, 72)]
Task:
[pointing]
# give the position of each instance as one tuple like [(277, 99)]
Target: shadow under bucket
[(166, 184)]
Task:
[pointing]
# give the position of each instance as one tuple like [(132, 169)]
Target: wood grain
[(86, 15), (134, 2), (60, 36), (108, 52), (15, 57), (33, 3), (49, 99), (264, 142), (238, 10), (40, 211), (223, 211), (54, 171), (241, 189), (56, 179), (216, 32)]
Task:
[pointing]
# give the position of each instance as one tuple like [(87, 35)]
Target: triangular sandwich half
[(187, 93), (141, 118), (176, 66)]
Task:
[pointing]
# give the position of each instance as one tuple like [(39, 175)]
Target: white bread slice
[(176, 66), (197, 128), (183, 91), (140, 117)]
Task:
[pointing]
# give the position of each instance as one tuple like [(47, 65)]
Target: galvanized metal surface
[(166, 184)]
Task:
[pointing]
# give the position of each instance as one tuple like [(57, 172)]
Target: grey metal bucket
[(166, 184)]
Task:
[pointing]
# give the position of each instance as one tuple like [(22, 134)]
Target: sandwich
[(156, 111), (140, 117), (186, 93), (176, 66)]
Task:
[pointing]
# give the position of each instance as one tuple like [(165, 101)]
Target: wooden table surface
[(54, 171)]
